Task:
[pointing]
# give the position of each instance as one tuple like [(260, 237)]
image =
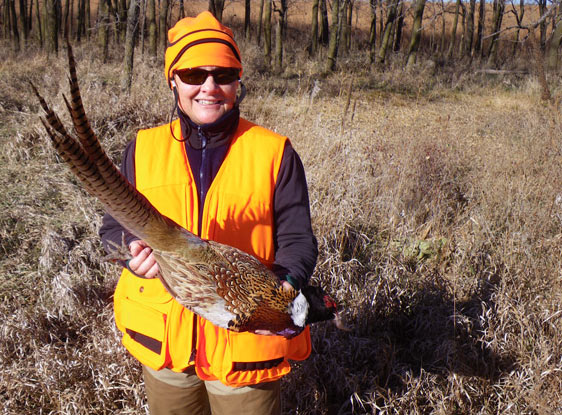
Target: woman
[(226, 179)]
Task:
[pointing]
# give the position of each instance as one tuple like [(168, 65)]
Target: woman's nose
[(209, 83)]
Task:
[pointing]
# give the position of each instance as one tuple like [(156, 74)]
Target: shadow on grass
[(425, 331)]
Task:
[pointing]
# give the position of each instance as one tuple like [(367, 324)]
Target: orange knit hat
[(200, 41)]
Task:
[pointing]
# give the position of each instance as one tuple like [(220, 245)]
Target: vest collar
[(210, 135)]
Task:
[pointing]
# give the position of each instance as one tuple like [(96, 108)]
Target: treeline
[(467, 29)]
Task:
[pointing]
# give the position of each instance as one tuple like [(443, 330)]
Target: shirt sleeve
[(296, 248), (111, 231)]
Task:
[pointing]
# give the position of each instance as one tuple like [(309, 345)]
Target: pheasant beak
[(338, 321)]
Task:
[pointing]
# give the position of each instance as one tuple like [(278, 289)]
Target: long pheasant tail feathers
[(89, 162)]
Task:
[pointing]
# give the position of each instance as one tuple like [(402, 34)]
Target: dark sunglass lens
[(225, 76), (193, 76)]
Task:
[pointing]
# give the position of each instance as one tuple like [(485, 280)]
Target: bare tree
[(470, 28), (182, 10), (267, 32), (333, 45), (39, 27), (216, 7), (399, 27), (324, 28), (132, 28), (152, 29), (247, 19), (385, 36), (260, 22), (499, 6), (555, 41), (416, 32), (481, 23), (519, 20), (281, 13), (14, 25), (163, 27), (313, 46), (51, 35), (373, 31), (543, 23), (454, 30), (103, 28), (24, 23)]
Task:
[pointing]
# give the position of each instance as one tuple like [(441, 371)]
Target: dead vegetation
[(436, 201)]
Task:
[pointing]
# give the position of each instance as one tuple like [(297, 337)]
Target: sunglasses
[(198, 76)]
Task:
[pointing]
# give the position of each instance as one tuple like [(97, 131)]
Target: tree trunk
[(373, 31), (260, 22), (462, 43), (480, 30), (39, 28), (399, 27), (24, 24), (324, 35), (70, 27), (333, 45), (499, 6), (103, 28), (454, 31), (163, 27), (267, 32), (14, 24), (470, 28), (416, 32), (247, 19), (278, 61), (542, 11), (343, 27), (88, 19), (51, 37), (152, 29), (132, 25), (216, 7), (349, 24), (81, 17), (182, 10), (313, 46), (519, 19), (122, 26), (555, 43), (385, 37), (443, 30)]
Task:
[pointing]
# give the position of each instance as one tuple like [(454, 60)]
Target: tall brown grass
[(436, 199)]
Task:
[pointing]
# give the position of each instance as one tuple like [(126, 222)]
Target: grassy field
[(436, 199)]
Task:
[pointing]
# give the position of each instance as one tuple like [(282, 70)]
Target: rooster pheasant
[(222, 284)]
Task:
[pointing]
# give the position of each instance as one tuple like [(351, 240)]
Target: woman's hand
[(143, 263)]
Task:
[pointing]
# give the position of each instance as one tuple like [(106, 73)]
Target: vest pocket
[(142, 307)]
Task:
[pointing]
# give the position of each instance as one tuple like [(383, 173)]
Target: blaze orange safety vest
[(238, 211)]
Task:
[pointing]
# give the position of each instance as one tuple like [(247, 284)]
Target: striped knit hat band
[(200, 41)]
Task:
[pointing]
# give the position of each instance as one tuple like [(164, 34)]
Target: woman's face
[(206, 103)]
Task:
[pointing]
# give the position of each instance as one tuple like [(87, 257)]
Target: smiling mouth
[(208, 102)]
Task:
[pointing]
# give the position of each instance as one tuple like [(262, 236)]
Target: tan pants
[(170, 393)]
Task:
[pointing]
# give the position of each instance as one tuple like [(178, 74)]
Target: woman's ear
[(242, 94)]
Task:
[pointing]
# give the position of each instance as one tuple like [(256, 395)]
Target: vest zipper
[(203, 139), (202, 175)]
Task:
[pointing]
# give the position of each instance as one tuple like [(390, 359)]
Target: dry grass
[(435, 198)]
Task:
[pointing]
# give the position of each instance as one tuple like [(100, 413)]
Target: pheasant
[(222, 284)]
